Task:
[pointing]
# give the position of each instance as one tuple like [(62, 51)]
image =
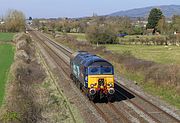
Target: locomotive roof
[(87, 59)]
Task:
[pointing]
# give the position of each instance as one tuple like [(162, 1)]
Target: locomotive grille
[(101, 82)]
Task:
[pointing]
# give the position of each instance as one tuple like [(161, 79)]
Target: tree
[(162, 26), (123, 25), (15, 21), (176, 23), (137, 30), (153, 19), (101, 34)]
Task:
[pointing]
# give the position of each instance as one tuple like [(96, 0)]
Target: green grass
[(80, 36), (6, 59), (6, 36), (167, 93), (159, 54)]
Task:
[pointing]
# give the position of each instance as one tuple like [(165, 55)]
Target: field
[(6, 36), (6, 55), (6, 59), (159, 54), (79, 36)]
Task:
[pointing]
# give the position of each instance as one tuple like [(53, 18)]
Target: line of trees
[(154, 40), (104, 29), (14, 21)]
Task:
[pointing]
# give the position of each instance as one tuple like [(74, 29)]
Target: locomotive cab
[(94, 74), (101, 79)]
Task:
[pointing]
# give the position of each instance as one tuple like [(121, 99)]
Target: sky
[(76, 8)]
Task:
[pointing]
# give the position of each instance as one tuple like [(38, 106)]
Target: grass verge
[(164, 92), (6, 59)]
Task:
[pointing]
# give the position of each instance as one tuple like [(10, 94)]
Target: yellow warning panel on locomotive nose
[(94, 80)]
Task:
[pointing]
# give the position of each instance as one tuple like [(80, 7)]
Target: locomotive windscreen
[(100, 68), (97, 70)]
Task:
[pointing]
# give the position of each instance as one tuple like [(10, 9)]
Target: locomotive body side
[(93, 75), (77, 69)]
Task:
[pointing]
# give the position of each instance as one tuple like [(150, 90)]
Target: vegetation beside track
[(166, 92), (19, 105)]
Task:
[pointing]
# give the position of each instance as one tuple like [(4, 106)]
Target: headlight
[(92, 85), (110, 84)]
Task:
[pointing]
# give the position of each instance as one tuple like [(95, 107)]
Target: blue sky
[(76, 8)]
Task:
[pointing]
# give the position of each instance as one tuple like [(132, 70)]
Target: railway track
[(154, 112), (101, 110), (61, 62), (50, 51)]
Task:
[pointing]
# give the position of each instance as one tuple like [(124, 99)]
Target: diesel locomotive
[(93, 75)]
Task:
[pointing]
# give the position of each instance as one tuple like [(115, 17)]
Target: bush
[(164, 74), (101, 35)]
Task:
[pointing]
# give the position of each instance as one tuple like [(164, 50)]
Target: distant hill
[(168, 11)]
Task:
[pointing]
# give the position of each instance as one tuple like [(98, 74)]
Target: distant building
[(2, 22), (139, 23), (169, 21)]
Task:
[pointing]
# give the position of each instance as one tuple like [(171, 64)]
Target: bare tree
[(15, 21), (162, 25)]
